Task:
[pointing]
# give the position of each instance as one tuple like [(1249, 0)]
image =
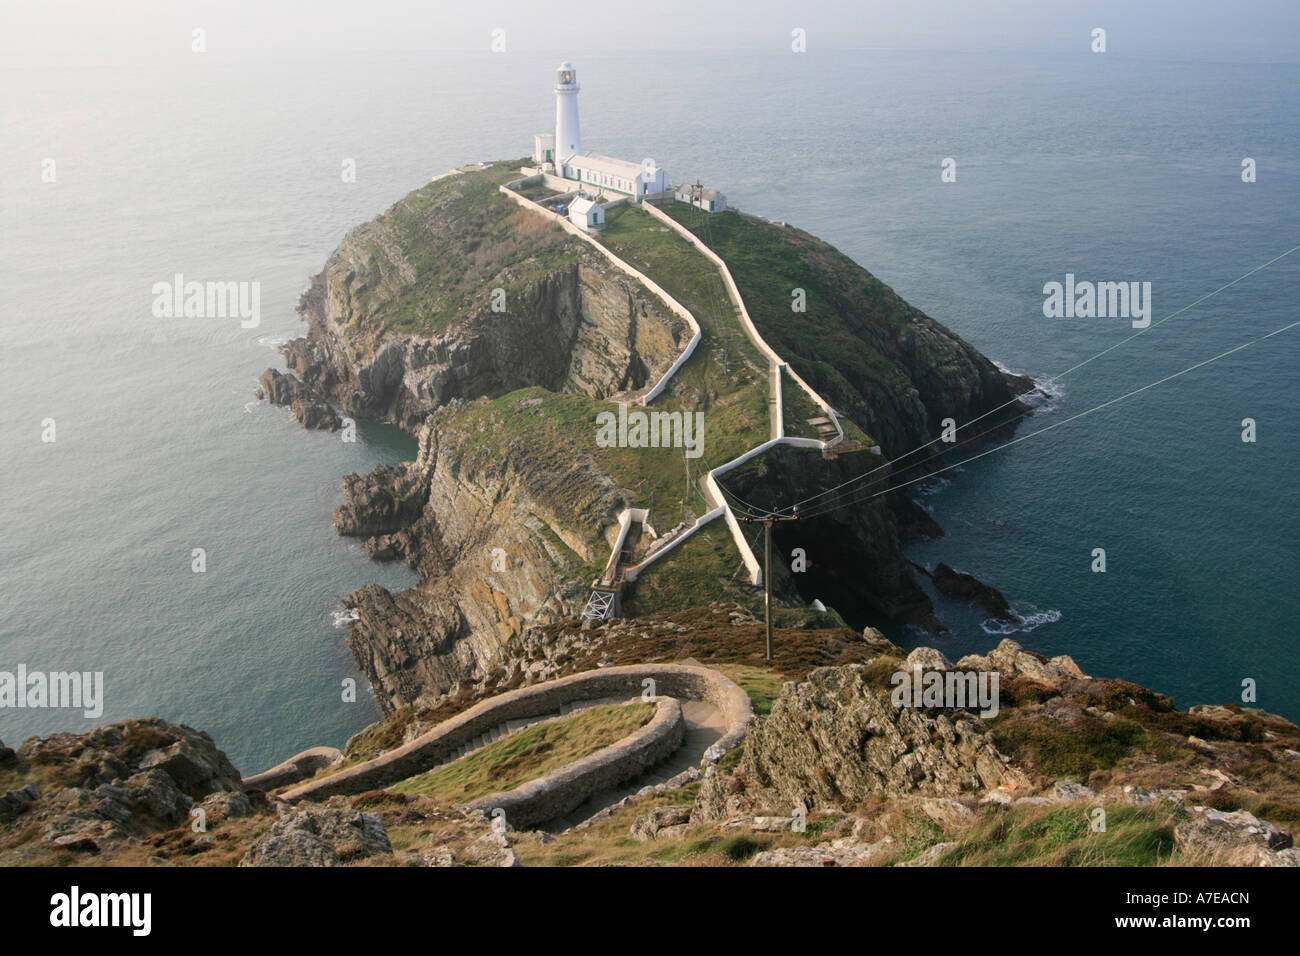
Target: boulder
[(1236, 835), (650, 825), (319, 837), (157, 793), (842, 852), (1069, 791), (926, 659), (16, 802), (315, 414)]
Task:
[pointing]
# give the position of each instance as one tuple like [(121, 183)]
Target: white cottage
[(710, 200), (586, 214), (610, 175)]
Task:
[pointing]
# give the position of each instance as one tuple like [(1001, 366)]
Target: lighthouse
[(566, 169), (568, 138)]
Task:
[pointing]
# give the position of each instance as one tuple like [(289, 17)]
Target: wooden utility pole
[(767, 567)]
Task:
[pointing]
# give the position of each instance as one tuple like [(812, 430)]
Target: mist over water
[(227, 167)]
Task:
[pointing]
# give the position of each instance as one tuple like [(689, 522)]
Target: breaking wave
[(1021, 622)]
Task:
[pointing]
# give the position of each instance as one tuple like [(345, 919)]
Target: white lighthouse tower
[(568, 138)]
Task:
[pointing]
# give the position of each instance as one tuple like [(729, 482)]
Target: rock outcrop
[(99, 788), (837, 738), (455, 292), (319, 837)]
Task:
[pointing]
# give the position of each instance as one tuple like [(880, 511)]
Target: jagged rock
[(1011, 660), (157, 792), (319, 837), (649, 826), (1033, 802), (1236, 834), (948, 813), (836, 738), (15, 802), (842, 852), (282, 389), (195, 764), (772, 824), (227, 806), (438, 856), (74, 821), (491, 849), (927, 659), (1070, 791), (1141, 795), (315, 414), (967, 587)]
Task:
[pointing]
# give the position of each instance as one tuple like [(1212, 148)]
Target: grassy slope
[(462, 238), (725, 379), (528, 754)]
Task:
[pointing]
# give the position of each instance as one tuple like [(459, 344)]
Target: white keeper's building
[(562, 150)]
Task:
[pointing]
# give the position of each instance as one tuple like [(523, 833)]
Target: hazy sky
[(85, 30)]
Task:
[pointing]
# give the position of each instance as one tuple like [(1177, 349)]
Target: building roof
[(694, 191), (607, 164), (581, 204)]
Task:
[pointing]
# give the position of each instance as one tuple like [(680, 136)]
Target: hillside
[(497, 338), (829, 773)]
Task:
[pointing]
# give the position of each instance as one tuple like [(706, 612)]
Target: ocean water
[(227, 167)]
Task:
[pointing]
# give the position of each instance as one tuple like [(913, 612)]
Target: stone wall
[(297, 767), (683, 312), (751, 330), (565, 789), (435, 745)]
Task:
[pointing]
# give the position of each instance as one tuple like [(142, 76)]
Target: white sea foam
[(932, 487), (342, 617), (1022, 621), (1044, 396)]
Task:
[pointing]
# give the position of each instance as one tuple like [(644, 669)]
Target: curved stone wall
[(297, 767), (565, 789), (682, 681)]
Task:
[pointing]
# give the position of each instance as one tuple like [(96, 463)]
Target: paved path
[(705, 724)]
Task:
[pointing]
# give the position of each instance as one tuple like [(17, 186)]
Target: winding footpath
[(718, 505), (700, 714)]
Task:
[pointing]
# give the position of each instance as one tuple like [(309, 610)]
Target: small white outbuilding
[(702, 197), (586, 214)]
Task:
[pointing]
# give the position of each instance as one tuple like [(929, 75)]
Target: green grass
[(528, 754), (462, 238), (1062, 836), (1090, 744), (706, 568), (798, 408), (841, 342)]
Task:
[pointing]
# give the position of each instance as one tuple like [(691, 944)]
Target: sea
[(175, 534)]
